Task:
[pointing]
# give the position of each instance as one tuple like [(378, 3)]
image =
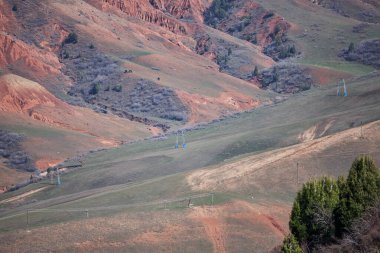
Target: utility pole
[(27, 219), (297, 174), (58, 178), (165, 205), (345, 94), (341, 84), (338, 89), (51, 177), (361, 130), (183, 140), (176, 143)]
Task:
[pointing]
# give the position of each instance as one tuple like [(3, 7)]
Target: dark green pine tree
[(290, 245), (311, 219), (255, 72), (361, 190), (351, 47)]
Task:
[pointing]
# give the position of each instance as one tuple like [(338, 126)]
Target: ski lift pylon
[(176, 143), (183, 139), (345, 93)]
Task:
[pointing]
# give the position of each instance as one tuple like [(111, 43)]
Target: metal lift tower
[(183, 139), (176, 143), (344, 89), (345, 93), (58, 178)]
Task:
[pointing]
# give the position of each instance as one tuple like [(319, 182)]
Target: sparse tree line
[(325, 209), (366, 51)]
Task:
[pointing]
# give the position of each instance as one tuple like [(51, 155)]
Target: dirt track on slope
[(231, 175)]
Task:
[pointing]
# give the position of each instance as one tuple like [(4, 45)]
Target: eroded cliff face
[(85, 71), (169, 14), (246, 20), (20, 95), (4, 19), (183, 9), (20, 56)]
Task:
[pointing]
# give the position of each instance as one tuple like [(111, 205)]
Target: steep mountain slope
[(321, 39), (83, 75), (159, 12), (293, 31), (249, 21), (17, 53), (253, 191), (24, 98), (28, 108), (135, 69), (364, 10), (133, 50), (20, 95)]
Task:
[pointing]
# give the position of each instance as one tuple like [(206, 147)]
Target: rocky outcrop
[(155, 12), (366, 52), (26, 58), (249, 21), (207, 47), (39, 28), (182, 9)]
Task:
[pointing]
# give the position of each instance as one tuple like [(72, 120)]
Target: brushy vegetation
[(366, 52), (255, 72), (280, 48), (147, 97), (285, 78), (101, 84), (268, 15), (72, 38), (364, 235), (325, 209), (12, 154), (94, 89), (217, 11), (117, 88)]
